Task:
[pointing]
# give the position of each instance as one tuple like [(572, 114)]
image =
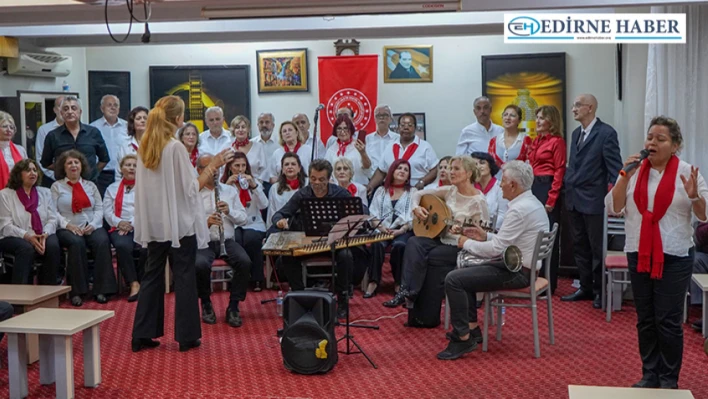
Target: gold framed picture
[(282, 71), (408, 64)]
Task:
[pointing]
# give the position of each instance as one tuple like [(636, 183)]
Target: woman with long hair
[(10, 153), (511, 144), (137, 122), (351, 148), (343, 175), (291, 179), (254, 150), (488, 184), (290, 141), (188, 135), (169, 222)]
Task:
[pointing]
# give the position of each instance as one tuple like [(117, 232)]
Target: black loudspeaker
[(309, 345)]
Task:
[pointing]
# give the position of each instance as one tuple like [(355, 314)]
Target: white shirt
[(16, 221), (109, 201), (321, 150), (496, 204), (129, 146), (168, 206), (269, 148), (42, 133), (675, 226), (475, 138), (258, 159), (305, 152), (525, 217), (7, 153), (422, 161), (331, 141), (62, 194), (114, 136), (254, 218), (376, 144), (360, 191), (381, 208), (277, 201), (236, 216), (210, 145), (361, 175), (587, 130)]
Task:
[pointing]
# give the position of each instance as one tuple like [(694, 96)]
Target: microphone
[(642, 155), (320, 107)]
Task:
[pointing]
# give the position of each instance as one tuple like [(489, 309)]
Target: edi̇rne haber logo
[(595, 28)]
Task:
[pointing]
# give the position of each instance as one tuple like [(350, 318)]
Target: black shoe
[(597, 302), (578, 295), (138, 344), (257, 287), (456, 348), (208, 315), (371, 294), (475, 334), (233, 317), (133, 298), (697, 325), (398, 300), (647, 383), (102, 299), (351, 291), (342, 311), (76, 301), (185, 346)]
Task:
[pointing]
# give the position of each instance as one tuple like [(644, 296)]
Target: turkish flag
[(348, 81)]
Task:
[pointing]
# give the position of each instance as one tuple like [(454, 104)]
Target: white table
[(55, 328), (702, 281), (589, 392)]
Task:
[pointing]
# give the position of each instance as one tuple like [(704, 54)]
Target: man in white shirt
[(115, 132), (216, 138), (42, 132), (525, 217), (476, 137), (377, 142), (230, 213), (303, 126), (266, 125)]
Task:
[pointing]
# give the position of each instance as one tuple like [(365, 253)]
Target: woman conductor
[(169, 222), (658, 200)]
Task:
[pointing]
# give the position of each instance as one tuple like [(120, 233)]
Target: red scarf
[(79, 199), (485, 190), (4, 169), (135, 146), (352, 189), (342, 146), (244, 196), (294, 183), (440, 183), (651, 248), (194, 156), (238, 144), (118, 206), (390, 189), (297, 147), (407, 154)]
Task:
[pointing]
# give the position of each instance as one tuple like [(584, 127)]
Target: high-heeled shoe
[(371, 294), (133, 298), (137, 344)]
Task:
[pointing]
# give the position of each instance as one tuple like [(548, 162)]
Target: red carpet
[(245, 363)]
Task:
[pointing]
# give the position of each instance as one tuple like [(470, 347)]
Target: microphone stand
[(314, 134)]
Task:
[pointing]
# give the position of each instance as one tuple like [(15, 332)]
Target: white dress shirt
[(62, 195), (210, 145), (496, 204), (305, 152), (254, 218), (269, 146), (15, 221), (129, 146), (42, 133), (525, 217), (7, 153), (277, 201), (675, 226), (475, 138), (258, 159), (236, 216), (331, 141), (376, 144), (109, 202), (361, 175), (422, 161), (321, 150), (390, 216), (114, 136)]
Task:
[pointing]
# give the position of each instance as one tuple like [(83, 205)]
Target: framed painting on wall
[(420, 124), (282, 71), (408, 64), (526, 80), (102, 83), (201, 87)]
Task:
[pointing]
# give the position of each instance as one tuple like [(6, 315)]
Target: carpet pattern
[(245, 363)]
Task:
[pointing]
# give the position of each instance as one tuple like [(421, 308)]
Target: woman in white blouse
[(467, 205), (352, 148), (290, 141), (343, 174), (119, 210), (28, 225), (443, 178), (392, 206), (80, 220), (490, 187), (512, 144), (250, 236), (254, 150), (137, 122), (10, 152), (290, 180), (189, 136), (658, 200)]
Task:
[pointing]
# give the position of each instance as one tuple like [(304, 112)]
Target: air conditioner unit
[(47, 65)]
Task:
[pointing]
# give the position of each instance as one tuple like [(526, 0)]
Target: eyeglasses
[(578, 105), (382, 116), (342, 129), (406, 124)]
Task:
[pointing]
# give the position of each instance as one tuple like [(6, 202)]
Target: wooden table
[(588, 392), (702, 281), (29, 297), (55, 328)]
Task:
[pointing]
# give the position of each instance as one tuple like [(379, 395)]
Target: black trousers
[(104, 281), (462, 286), (252, 242), (125, 246), (150, 312), (420, 253), (6, 311), (659, 306), (105, 179), (378, 255), (587, 233), (540, 188), (25, 256), (266, 189), (351, 266), (236, 257)]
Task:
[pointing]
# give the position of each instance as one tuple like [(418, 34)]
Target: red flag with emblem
[(348, 81)]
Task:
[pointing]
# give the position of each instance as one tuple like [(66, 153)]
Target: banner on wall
[(351, 82)]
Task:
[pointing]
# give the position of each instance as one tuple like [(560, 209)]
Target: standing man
[(42, 132), (377, 142), (266, 124), (476, 137), (593, 165), (303, 126), (216, 138), (115, 133)]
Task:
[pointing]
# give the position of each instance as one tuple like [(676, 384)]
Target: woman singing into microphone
[(658, 200)]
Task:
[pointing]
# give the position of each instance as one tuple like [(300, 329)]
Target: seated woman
[(467, 205), (290, 141), (10, 153), (352, 148), (29, 224), (343, 173), (80, 220), (250, 236), (118, 210), (189, 136), (391, 205), (443, 176), (291, 179), (490, 187)]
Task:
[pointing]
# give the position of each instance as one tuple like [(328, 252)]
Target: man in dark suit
[(593, 164), (404, 69)]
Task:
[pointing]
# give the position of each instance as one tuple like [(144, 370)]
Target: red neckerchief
[(118, 208), (390, 189), (244, 196), (441, 184), (238, 144), (485, 190), (4, 170), (342, 146), (294, 183), (352, 189), (407, 154), (194, 156), (79, 199), (135, 146), (651, 247), (297, 147)]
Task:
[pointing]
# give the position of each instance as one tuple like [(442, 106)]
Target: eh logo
[(524, 26)]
